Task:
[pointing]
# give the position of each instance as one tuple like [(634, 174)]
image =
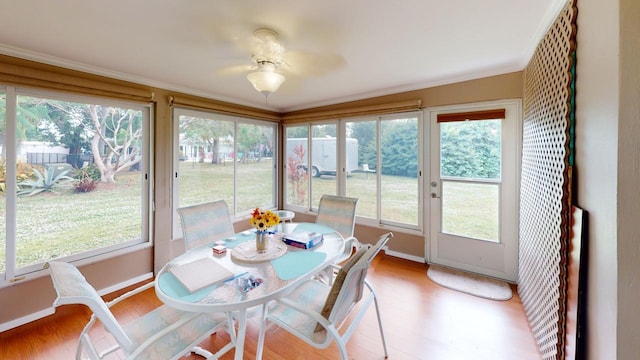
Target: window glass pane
[(206, 159), (80, 184), (3, 164), (324, 161), (399, 170), (470, 153), (223, 157), (470, 209), (297, 181), (471, 149), (256, 172), (361, 183)]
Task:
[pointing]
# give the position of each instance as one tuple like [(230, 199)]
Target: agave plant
[(43, 182)]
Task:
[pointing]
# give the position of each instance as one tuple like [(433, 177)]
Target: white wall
[(608, 171), (596, 164)]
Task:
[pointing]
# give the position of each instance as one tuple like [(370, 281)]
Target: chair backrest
[(338, 212), (205, 223), (348, 286), (73, 288)]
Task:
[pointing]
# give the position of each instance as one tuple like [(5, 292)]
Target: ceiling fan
[(268, 57), (270, 62)]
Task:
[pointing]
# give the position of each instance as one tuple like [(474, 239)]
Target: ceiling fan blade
[(234, 70), (307, 63)]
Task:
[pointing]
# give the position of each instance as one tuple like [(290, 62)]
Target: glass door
[(473, 192)]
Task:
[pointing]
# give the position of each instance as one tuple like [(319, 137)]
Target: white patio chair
[(319, 314), (163, 333), (205, 223), (367, 171), (339, 213)]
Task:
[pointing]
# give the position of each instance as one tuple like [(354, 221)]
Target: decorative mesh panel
[(545, 199)]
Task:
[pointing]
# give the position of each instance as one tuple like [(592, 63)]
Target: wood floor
[(421, 321)]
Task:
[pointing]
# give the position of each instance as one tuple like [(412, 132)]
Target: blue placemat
[(297, 263), (238, 238), (171, 286), (312, 227)]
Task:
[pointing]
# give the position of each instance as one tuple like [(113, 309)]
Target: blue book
[(303, 239)]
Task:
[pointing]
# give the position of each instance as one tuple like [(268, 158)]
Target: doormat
[(469, 283)]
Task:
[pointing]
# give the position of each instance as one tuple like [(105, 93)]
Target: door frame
[(509, 195)]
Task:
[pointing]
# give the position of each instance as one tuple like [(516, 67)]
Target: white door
[(473, 189)]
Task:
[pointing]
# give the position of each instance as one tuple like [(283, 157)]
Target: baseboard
[(51, 310), (404, 256), (124, 284), (26, 319)]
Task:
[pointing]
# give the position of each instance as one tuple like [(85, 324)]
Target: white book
[(200, 273)]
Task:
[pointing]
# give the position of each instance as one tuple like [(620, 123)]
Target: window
[(363, 182), (223, 157), (296, 172), (387, 177), (380, 156), (470, 171), (79, 167), (311, 171)]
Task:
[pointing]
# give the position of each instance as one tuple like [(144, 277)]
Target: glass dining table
[(250, 282)]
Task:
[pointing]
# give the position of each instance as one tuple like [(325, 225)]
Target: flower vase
[(261, 241)]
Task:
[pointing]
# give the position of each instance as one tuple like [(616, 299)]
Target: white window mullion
[(378, 170), (10, 193)]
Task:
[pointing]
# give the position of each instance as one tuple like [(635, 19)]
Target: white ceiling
[(385, 47)]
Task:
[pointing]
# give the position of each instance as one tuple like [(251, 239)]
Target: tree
[(471, 149), (323, 130), (297, 175), (249, 139), (297, 132), (29, 113), (116, 142), (399, 146), (66, 124), (206, 135), (365, 133)]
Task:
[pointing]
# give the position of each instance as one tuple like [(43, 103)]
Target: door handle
[(434, 184)]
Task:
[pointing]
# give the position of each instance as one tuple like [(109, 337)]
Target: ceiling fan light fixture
[(266, 82)]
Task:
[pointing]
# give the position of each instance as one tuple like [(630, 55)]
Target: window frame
[(341, 161), (177, 111), (145, 240)]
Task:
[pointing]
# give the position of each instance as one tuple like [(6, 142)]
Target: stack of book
[(303, 239)]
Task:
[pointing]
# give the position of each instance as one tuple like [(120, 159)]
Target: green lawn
[(53, 225)]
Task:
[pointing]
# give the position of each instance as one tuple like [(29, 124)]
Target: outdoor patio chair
[(205, 223), (163, 333), (319, 314), (339, 213), (366, 170)]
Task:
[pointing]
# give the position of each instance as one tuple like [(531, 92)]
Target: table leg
[(261, 334), (242, 332)]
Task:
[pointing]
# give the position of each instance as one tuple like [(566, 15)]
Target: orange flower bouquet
[(264, 220)]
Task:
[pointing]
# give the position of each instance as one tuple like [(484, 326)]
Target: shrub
[(24, 171), (47, 181), (92, 171), (86, 184)]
